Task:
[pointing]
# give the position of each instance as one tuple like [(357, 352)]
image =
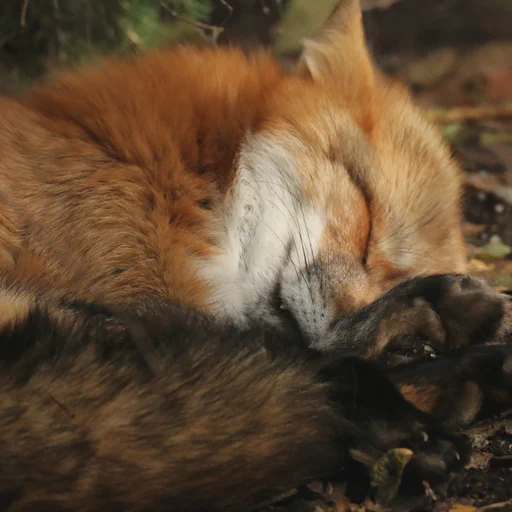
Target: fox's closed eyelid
[(366, 251), (362, 186), (364, 257)]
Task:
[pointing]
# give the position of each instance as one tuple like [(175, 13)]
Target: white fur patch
[(270, 235)]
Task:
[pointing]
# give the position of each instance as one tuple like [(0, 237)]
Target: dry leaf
[(476, 265), (479, 460), (386, 474), (459, 507), (342, 505), (493, 251)]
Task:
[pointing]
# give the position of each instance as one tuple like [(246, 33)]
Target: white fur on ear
[(339, 49), (313, 61)]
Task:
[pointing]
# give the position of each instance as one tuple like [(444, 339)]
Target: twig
[(133, 37), (214, 29), (23, 17), (480, 113), (229, 7), (495, 505), (226, 5)]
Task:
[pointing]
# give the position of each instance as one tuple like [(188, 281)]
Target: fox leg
[(452, 314), (460, 385), (447, 311)]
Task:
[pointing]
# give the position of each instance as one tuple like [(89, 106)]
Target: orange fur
[(147, 147), (117, 178)]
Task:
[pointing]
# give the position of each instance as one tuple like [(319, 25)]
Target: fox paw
[(383, 420), (432, 454), (438, 313), (460, 386)]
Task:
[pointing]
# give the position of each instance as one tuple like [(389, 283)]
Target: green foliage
[(36, 35), (301, 20), (194, 9), (147, 19)]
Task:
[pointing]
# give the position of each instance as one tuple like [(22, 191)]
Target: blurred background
[(455, 55)]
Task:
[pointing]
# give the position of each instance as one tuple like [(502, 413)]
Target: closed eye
[(360, 184), (364, 258)]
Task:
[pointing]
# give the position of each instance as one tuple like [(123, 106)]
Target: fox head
[(234, 186), (341, 192)]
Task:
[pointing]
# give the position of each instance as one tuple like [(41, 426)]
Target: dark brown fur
[(230, 420)]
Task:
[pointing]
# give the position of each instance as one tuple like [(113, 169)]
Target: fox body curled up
[(206, 266)]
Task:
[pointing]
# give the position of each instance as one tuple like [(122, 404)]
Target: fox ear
[(339, 51)]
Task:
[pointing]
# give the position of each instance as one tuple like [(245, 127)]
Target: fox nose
[(316, 295)]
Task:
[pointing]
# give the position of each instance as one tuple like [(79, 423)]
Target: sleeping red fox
[(197, 252)]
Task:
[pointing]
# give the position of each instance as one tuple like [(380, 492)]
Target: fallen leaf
[(455, 132), (459, 507), (342, 505), (386, 474), (480, 441), (476, 265), (479, 460), (495, 250), (503, 281)]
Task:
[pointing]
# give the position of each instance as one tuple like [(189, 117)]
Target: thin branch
[(484, 112), (229, 7), (214, 29), (23, 17), (226, 5), (495, 505), (133, 37)]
